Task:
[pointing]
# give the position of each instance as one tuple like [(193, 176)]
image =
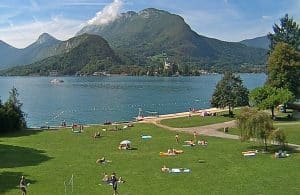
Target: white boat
[(54, 81)]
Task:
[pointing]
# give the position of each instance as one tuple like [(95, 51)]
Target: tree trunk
[(230, 111), (272, 109), (266, 146)]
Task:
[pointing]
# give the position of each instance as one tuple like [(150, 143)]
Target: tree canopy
[(288, 31), (283, 68), (230, 93), (268, 97)]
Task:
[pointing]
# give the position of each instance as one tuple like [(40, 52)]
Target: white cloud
[(266, 17), (108, 14), (22, 35)]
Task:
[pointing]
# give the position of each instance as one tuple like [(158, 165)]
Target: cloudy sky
[(22, 21)]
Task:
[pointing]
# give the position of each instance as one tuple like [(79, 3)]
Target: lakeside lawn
[(195, 121), (48, 158)]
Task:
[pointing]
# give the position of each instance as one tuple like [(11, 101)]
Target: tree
[(283, 68), (288, 32), (255, 124), (279, 136), (230, 93), (12, 118), (268, 97)]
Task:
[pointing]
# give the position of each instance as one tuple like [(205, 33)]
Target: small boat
[(54, 81)]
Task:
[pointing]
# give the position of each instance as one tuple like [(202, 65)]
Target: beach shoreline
[(146, 119)]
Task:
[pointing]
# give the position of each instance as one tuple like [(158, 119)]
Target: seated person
[(105, 178), (170, 151), (165, 169), (97, 134), (202, 142), (124, 147)]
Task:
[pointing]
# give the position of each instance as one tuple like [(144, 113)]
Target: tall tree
[(11, 114), (230, 93), (283, 68), (268, 97), (255, 124), (288, 31)]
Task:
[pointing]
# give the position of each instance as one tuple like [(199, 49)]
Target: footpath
[(207, 130)]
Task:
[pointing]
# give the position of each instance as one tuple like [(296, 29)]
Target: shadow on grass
[(25, 132), (16, 156), (274, 148), (286, 119), (10, 180)]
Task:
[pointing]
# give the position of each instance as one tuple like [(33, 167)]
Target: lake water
[(115, 98)]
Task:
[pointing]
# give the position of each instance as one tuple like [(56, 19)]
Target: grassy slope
[(194, 121), (49, 158)]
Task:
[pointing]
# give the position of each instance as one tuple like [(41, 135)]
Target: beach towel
[(146, 136), (180, 170)]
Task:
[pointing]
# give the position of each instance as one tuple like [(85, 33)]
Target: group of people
[(75, 126), (192, 142), (113, 180)]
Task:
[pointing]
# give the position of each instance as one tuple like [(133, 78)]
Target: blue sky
[(22, 21)]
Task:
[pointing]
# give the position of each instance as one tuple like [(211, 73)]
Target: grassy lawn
[(48, 158), (292, 130), (195, 121)]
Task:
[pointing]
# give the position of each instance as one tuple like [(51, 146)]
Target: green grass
[(292, 131), (194, 121), (48, 158)]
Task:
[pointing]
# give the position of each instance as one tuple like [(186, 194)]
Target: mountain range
[(85, 53), (258, 42), (146, 38)]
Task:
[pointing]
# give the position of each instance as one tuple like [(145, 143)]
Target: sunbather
[(202, 142), (165, 169), (190, 142), (102, 160)]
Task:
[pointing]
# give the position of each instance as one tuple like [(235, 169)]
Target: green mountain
[(8, 54), (86, 54), (141, 38), (45, 46), (258, 42)]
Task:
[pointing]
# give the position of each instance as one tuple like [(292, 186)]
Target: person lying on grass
[(190, 142), (102, 160)]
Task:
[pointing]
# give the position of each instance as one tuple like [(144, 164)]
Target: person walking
[(114, 182), (195, 136), (177, 138), (23, 186)]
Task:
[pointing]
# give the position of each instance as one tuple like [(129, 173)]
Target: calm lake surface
[(115, 98)]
